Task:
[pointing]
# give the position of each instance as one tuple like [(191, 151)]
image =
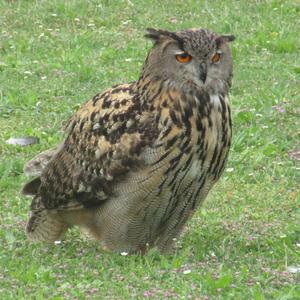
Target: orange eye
[(183, 57), (216, 57)]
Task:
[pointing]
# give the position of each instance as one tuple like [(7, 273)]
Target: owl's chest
[(211, 139)]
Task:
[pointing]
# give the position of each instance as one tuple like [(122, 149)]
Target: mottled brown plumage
[(139, 158)]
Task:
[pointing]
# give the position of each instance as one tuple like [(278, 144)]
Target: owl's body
[(140, 158)]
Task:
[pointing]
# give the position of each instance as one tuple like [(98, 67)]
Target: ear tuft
[(224, 39), (152, 34), (228, 38), (157, 35), (31, 187)]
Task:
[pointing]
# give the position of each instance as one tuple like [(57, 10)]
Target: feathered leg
[(44, 225)]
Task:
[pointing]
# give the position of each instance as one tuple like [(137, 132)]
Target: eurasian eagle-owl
[(139, 158)]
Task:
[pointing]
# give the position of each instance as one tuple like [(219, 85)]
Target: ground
[(245, 241)]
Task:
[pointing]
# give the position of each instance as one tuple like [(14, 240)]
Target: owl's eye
[(216, 57), (184, 57)]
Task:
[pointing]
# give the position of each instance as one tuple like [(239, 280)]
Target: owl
[(139, 158)]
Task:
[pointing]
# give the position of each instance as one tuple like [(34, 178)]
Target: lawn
[(245, 241)]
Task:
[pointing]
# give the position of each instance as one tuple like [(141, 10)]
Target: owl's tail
[(35, 166)]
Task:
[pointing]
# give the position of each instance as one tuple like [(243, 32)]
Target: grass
[(245, 241)]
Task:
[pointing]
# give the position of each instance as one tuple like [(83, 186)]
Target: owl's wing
[(105, 140)]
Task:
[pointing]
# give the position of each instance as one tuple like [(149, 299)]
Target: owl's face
[(190, 57)]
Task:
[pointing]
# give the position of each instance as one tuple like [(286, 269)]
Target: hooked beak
[(203, 72)]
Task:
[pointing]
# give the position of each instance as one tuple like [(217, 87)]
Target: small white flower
[(124, 253), (54, 15), (126, 22), (43, 77), (57, 242), (128, 59), (229, 170), (282, 236), (298, 245), (185, 272)]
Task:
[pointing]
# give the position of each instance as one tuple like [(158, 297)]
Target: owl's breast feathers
[(195, 131), (129, 129)]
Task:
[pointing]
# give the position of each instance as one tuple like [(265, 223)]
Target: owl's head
[(190, 57)]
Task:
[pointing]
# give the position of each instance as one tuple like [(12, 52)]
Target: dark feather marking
[(157, 93), (174, 118), (186, 189), (95, 99), (175, 160), (185, 145), (202, 181), (171, 142), (166, 131), (179, 184), (213, 158), (217, 164), (106, 102), (187, 163), (81, 126), (162, 157), (221, 167), (160, 187), (178, 171)]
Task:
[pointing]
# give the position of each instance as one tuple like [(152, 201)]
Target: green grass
[(54, 55)]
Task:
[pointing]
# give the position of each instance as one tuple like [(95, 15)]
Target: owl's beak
[(203, 72)]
